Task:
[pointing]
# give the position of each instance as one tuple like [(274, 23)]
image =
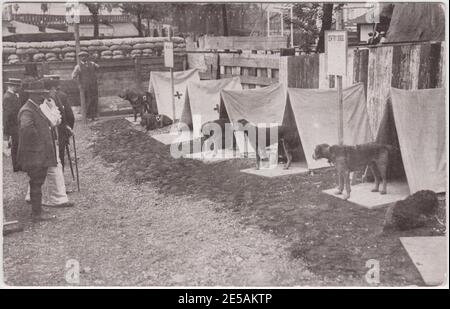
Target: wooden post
[(172, 86), (292, 26), (282, 23), (340, 26), (77, 51), (137, 72), (341, 110), (185, 62)]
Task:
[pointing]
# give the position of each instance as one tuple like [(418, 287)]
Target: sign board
[(336, 52), (168, 54)]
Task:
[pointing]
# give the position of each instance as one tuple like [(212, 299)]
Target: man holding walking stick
[(54, 189)]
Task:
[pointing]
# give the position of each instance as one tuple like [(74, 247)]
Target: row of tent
[(414, 120)]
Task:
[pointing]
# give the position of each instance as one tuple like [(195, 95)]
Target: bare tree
[(94, 8), (149, 11), (327, 21), (224, 19), (305, 21)]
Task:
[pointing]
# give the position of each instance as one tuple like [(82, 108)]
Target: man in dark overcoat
[(36, 150), (11, 107)]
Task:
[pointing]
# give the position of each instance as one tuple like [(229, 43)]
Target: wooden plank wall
[(303, 71), (243, 42), (378, 83), (407, 66), (113, 76), (254, 70)]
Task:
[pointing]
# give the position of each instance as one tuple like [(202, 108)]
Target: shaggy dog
[(287, 136), (140, 102), (352, 158), (414, 211)]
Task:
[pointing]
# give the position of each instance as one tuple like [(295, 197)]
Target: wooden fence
[(255, 70), (243, 42), (113, 75), (405, 66)]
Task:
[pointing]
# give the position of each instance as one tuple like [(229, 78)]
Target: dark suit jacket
[(65, 109), (36, 138), (67, 118), (11, 107)]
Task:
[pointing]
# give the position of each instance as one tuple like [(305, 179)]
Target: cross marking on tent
[(178, 95)]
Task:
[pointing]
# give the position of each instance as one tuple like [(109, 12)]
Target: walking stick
[(70, 161), (76, 162)]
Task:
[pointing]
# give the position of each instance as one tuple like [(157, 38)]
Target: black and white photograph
[(224, 145)]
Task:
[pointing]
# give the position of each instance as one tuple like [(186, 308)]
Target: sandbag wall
[(123, 48)]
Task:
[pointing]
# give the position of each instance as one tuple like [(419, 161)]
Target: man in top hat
[(85, 73), (36, 151), (11, 107)]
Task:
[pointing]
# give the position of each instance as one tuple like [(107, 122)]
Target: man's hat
[(37, 91), (83, 53), (14, 82)]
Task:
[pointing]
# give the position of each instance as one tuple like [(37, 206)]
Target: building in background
[(27, 21)]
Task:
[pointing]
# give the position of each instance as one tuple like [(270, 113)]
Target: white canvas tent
[(315, 113), (419, 117), (261, 107), (202, 98), (161, 87)]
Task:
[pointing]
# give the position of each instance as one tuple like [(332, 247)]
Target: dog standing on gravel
[(352, 158), (287, 136), (140, 102)]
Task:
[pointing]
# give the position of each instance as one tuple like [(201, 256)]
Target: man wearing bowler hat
[(85, 73), (11, 107), (36, 150)]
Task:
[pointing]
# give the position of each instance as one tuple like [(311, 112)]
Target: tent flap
[(161, 87), (202, 97), (258, 106), (420, 122), (316, 116)]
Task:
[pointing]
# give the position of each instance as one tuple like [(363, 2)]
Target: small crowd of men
[(38, 123), (376, 38)]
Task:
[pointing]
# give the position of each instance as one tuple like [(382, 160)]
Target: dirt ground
[(144, 218)]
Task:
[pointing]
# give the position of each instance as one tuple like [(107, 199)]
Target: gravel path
[(145, 218), (130, 234)]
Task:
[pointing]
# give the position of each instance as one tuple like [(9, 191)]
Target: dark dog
[(414, 211), (140, 102), (163, 121), (152, 121), (208, 135), (352, 158), (149, 122), (287, 136)]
